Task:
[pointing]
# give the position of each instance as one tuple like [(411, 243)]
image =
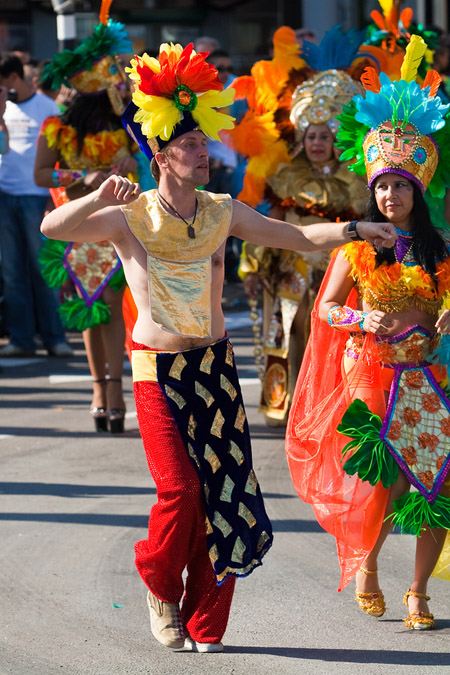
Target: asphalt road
[(72, 505)]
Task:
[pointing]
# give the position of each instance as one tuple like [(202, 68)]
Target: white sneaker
[(202, 647), (60, 349), (165, 622)]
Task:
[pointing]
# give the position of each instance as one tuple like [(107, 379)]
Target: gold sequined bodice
[(179, 268), (398, 287)]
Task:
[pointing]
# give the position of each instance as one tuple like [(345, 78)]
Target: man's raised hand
[(117, 190), (379, 234)]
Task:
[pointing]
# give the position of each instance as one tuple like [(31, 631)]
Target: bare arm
[(44, 163), (336, 293), (339, 286), (94, 217), (4, 140), (251, 226)]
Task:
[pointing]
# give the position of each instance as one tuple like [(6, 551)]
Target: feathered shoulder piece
[(256, 136)]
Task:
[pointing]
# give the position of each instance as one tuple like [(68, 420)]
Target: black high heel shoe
[(116, 416), (99, 413)]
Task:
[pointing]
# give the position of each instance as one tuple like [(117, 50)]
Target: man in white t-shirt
[(30, 306)]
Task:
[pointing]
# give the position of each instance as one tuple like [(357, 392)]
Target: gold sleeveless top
[(179, 268)]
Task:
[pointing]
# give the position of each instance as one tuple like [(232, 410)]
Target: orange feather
[(392, 21), (432, 80), (378, 19), (370, 80), (104, 11), (406, 16)]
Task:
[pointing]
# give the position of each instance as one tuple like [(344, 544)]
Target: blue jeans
[(30, 305)]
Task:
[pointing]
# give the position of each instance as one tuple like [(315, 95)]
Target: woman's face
[(395, 198), (318, 142)]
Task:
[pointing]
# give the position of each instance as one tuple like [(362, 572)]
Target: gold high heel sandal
[(418, 620), (373, 602)]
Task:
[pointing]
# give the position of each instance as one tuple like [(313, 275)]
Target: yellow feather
[(386, 6), (413, 56)]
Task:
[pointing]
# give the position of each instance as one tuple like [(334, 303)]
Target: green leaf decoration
[(51, 261), (412, 510), (371, 459), (76, 315)]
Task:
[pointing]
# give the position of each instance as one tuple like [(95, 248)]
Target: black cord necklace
[(190, 226)]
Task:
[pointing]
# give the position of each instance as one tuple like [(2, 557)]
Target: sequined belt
[(413, 346)]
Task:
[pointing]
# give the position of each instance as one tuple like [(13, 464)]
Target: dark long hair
[(428, 246), (90, 115)]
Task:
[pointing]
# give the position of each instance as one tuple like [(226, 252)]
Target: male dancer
[(209, 517)]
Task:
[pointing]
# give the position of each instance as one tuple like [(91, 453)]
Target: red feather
[(370, 80), (432, 80)]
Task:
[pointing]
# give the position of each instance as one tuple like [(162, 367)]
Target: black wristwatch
[(353, 232)]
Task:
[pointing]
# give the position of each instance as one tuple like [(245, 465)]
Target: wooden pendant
[(191, 232)]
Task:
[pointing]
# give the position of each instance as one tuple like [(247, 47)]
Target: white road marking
[(237, 320)]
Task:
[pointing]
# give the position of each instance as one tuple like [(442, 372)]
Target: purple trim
[(393, 396), (401, 172), (88, 299), (393, 339)]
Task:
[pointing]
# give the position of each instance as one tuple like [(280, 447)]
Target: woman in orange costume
[(377, 359), (77, 151)]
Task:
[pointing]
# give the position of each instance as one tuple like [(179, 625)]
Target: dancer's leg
[(113, 337), (95, 353)]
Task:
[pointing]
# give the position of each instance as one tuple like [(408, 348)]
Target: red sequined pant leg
[(176, 533)]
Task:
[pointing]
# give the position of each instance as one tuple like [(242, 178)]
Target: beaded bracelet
[(68, 177), (346, 318)]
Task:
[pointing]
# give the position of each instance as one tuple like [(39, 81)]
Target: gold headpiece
[(320, 99)]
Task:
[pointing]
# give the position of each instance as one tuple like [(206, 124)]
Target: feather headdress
[(389, 35), (92, 66), (174, 94), (395, 128), (287, 94)]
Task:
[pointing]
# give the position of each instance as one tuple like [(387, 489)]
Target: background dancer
[(77, 151), (309, 184)]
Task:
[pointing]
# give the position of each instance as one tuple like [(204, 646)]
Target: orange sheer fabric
[(349, 509), (129, 310)]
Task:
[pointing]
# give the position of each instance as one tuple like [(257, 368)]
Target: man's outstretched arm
[(94, 217), (251, 226)]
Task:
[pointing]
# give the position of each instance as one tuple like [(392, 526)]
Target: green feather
[(371, 459), (117, 280), (412, 510), (51, 261), (76, 315), (350, 138), (441, 179)]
